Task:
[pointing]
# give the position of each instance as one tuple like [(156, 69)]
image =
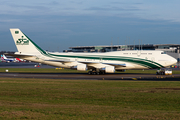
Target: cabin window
[(163, 52), (149, 53), (125, 53)]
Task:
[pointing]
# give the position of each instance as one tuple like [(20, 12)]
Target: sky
[(58, 25)]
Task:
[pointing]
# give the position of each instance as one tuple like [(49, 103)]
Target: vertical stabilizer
[(24, 44), (4, 57)]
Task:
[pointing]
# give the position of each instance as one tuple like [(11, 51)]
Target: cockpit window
[(163, 52)]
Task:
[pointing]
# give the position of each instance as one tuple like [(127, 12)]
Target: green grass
[(88, 99)]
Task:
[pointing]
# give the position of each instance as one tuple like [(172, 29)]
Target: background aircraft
[(7, 59), (4, 58), (20, 60)]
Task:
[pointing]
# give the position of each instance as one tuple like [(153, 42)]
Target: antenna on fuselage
[(139, 44), (111, 44)]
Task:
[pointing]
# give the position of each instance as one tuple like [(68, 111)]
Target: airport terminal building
[(171, 49)]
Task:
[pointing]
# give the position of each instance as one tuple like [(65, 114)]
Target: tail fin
[(25, 44), (4, 57), (18, 59)]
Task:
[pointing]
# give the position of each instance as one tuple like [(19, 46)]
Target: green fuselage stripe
[(143, 62)]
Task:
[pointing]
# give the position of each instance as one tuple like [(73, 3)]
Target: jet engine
[(82, 67), (109, 69)]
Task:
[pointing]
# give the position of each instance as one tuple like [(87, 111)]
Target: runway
[(85, 76), (82, 76), (22, 65)]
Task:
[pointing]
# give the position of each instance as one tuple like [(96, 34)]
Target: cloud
[(152, 10), (125, 3), (54, 3), (28, 7), (112, 9)]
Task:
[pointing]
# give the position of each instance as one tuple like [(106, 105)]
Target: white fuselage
[(133, 59)]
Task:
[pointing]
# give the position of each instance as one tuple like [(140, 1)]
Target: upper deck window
[(163, 52)]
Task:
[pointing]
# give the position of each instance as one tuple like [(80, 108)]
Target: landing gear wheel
[(90, 72), (94, 73)]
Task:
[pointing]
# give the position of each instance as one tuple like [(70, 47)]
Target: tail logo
[(22, 41)]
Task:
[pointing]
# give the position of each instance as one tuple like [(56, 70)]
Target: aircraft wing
[(88, 63), (116, 65), (112, 64), (62, 61)]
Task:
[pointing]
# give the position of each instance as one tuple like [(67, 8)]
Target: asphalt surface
[(82, 76), (85, 76), (22, 65)]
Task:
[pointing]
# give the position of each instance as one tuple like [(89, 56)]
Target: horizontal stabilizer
[(19, 55)]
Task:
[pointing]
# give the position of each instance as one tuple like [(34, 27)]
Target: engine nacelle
[(109, 69), (82, 67)]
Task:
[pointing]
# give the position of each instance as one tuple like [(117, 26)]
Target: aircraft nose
[(173, 61)]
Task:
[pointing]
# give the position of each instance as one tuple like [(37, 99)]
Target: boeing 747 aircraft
[(96, 63)]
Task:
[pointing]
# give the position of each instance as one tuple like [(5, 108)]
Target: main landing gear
[(96, 72)]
